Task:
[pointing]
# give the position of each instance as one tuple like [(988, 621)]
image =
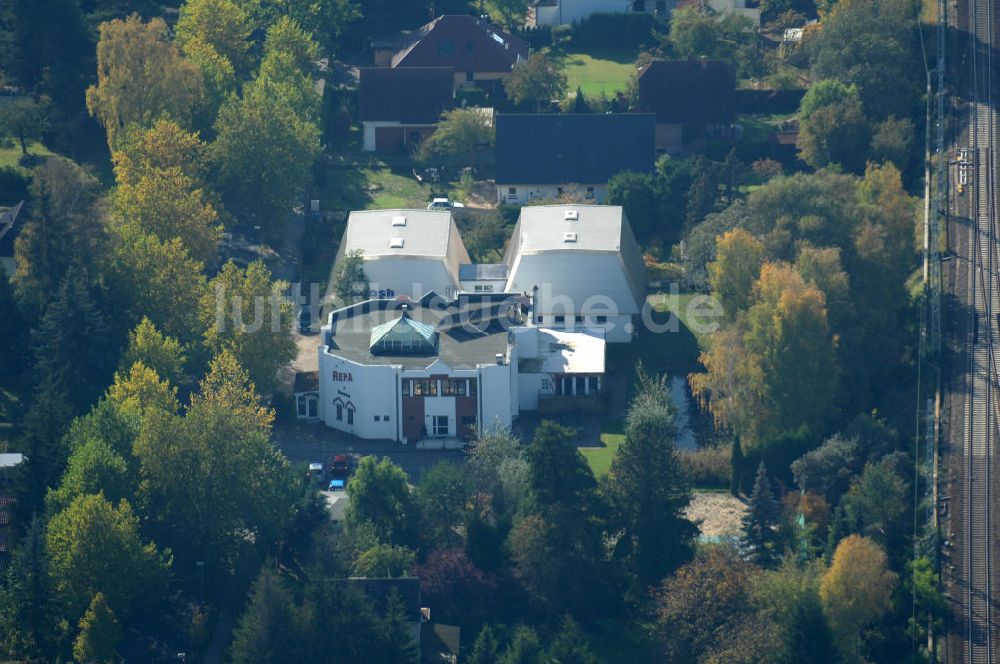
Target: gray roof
[(544, 228), (426, 232), (461, 345), (483, 272)]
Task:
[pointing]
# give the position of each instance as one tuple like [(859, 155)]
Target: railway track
[(982, 402)]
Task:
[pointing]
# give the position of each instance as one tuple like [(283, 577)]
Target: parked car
[(339, 470), (444, 204), (305, 320)]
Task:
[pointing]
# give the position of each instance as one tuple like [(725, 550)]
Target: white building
[(565, 12), (409, 370), (406, 252), (583, 265)]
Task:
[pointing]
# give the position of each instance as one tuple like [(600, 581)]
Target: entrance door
[(440, 423)]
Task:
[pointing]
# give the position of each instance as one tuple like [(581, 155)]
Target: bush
[(708, 467), (13, 185), (471, 97), (616, 31)]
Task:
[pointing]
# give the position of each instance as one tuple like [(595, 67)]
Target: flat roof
[(10, 459), (544, 228), (469, 335), (562, 352)]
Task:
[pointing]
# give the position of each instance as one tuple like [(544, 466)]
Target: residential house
[(400, 107), (480, 53), (547, 156), (691, 99), (738, 7), (566, 12)]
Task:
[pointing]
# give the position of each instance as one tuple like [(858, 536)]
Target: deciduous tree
[(142, 389), (246, 313), (96, 547), (856, 590), (537, 80), (157, 351), (141, 77), (25, 119), (223, 24), (459, 134), (738, 257), (380, 495)]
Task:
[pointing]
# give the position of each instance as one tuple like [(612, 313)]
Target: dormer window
[(396, 243), (569, 237), (572, 215), (399, 220)]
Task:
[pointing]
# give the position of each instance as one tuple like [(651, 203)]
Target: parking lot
[(308, 443)]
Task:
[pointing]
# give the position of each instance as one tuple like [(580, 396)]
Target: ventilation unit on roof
[(572, 215), (399, 220), (569, 237), (395, 243)]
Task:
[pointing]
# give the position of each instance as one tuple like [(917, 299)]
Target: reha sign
[(343, 377)]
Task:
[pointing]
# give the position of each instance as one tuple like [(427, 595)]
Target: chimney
[(500, 359)]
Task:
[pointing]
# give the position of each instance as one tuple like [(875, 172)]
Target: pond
[(681, 399)]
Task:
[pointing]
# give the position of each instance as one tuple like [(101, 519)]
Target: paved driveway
[(307, 443)]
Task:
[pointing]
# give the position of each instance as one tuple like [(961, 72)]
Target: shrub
[(707, 466), (616, 31)]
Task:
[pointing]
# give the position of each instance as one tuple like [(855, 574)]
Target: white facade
[(523, 194), (369, 400), (406, 252), (582, 266), (565, 12)]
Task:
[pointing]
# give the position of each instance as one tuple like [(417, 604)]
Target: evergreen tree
[(26, 602), (99, 635), (42, 443), (265, 632), (760, 536), (14, 353), (569, 646), (486, 648), (524, 648), (736, 463), (396, 644), (73, 345)]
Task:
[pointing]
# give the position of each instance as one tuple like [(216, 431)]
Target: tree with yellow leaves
[(856, 590), (731, 275), (141, 77)]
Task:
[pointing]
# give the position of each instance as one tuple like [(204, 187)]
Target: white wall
[(572, 11), (497, 393), (368, 143), (373, 390), (571, 283), (409, 276), (525, 193)]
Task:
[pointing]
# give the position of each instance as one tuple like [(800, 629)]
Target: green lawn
[(368, 183), (9, 156), (600, 458), (597, 73)]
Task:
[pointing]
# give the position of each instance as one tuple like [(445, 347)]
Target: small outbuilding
[(399, 108)]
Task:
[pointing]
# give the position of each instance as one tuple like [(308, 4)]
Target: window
[(302, 406), (340, 412), (538, 319), (512, 191), (473, 387), (470, 76), (468, 421), (484, 288), (455, 387), (350, 416), (600, 320), (590, 192), (446, 47), (313, 406), (378, 418), (420, 387), (385, 418), (440, 425), (578, 318), (559, 191), (406, 388), (546, 384), (558, 319)]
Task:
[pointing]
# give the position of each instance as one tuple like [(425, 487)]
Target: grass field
[(598, 73), (9, 156), (599, 458), (371, 184)]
